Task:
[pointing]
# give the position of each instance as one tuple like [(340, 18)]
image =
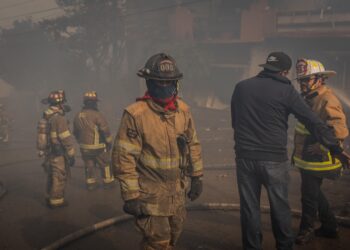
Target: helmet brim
[(91, 100), (143, 75), (326, 73)]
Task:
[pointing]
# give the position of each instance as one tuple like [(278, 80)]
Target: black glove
[(71, 161), (133, 207), (338, 152), (196, 188), (336, 149), (344, 158)]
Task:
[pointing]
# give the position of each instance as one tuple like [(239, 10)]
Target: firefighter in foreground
[(93, 135), (313, 159), (154, 152), (55, 144)]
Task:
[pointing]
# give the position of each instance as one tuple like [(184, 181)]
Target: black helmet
[(55, 98), (160, 67), (90, 96), (61, 93)]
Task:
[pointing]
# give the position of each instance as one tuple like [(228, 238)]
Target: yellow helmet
[(306, 68), (90, 96)]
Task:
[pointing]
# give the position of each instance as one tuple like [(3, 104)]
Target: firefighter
[(93, 135), (62, 93), (313, 160), (4, 125), (55, 144), (155, 152)]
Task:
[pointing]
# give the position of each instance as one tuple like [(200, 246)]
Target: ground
[(26, 223)]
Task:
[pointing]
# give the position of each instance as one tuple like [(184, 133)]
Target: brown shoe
[(304, 236)]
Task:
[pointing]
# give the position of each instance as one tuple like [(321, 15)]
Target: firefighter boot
[(91, 184), (56, 203), (90, 180)]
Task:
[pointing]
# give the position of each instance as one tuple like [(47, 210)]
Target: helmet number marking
[(166, 66)]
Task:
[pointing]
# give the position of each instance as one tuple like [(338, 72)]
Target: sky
[(11, 10)]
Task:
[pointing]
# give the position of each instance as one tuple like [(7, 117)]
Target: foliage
[(93, 31)]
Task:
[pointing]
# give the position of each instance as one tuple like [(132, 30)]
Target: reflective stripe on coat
[(146, 157), (327, 106)]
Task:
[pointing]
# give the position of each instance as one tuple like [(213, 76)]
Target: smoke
[(340, 94)]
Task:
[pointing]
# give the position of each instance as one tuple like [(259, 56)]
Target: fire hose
[(342, 221)]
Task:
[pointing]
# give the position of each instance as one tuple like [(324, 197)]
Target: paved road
[(26, 223)]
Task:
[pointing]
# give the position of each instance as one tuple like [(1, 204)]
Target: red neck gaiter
[(168, 103)]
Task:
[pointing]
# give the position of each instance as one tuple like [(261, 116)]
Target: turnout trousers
[(96, 159), (56, 181), (314, 202), (161, 232)]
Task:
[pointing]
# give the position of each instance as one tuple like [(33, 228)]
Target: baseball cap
[(277, 61)]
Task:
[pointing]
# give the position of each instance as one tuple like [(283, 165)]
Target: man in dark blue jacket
[(260, 107)]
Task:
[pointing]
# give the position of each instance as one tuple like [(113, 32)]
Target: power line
[(30, 13), (36, 19), (120, 16), (162, 8), (16, 4), (124, 15)]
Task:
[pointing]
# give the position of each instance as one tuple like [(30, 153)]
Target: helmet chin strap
[(311, 87), (316, 83), (177, 88)]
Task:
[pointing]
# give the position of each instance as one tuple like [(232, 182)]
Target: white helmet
[(306, 68)]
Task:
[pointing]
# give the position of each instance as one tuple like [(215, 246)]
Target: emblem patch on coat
[(131, 133)]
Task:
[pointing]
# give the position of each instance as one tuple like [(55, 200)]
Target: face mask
[(161, 92)]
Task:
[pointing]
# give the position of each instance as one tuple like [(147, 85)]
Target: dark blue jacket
[(260, 107)]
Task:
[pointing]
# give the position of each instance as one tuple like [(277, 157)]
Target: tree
[(93, 31)]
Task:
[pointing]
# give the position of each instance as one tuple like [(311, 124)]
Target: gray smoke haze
[(100, 45)]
